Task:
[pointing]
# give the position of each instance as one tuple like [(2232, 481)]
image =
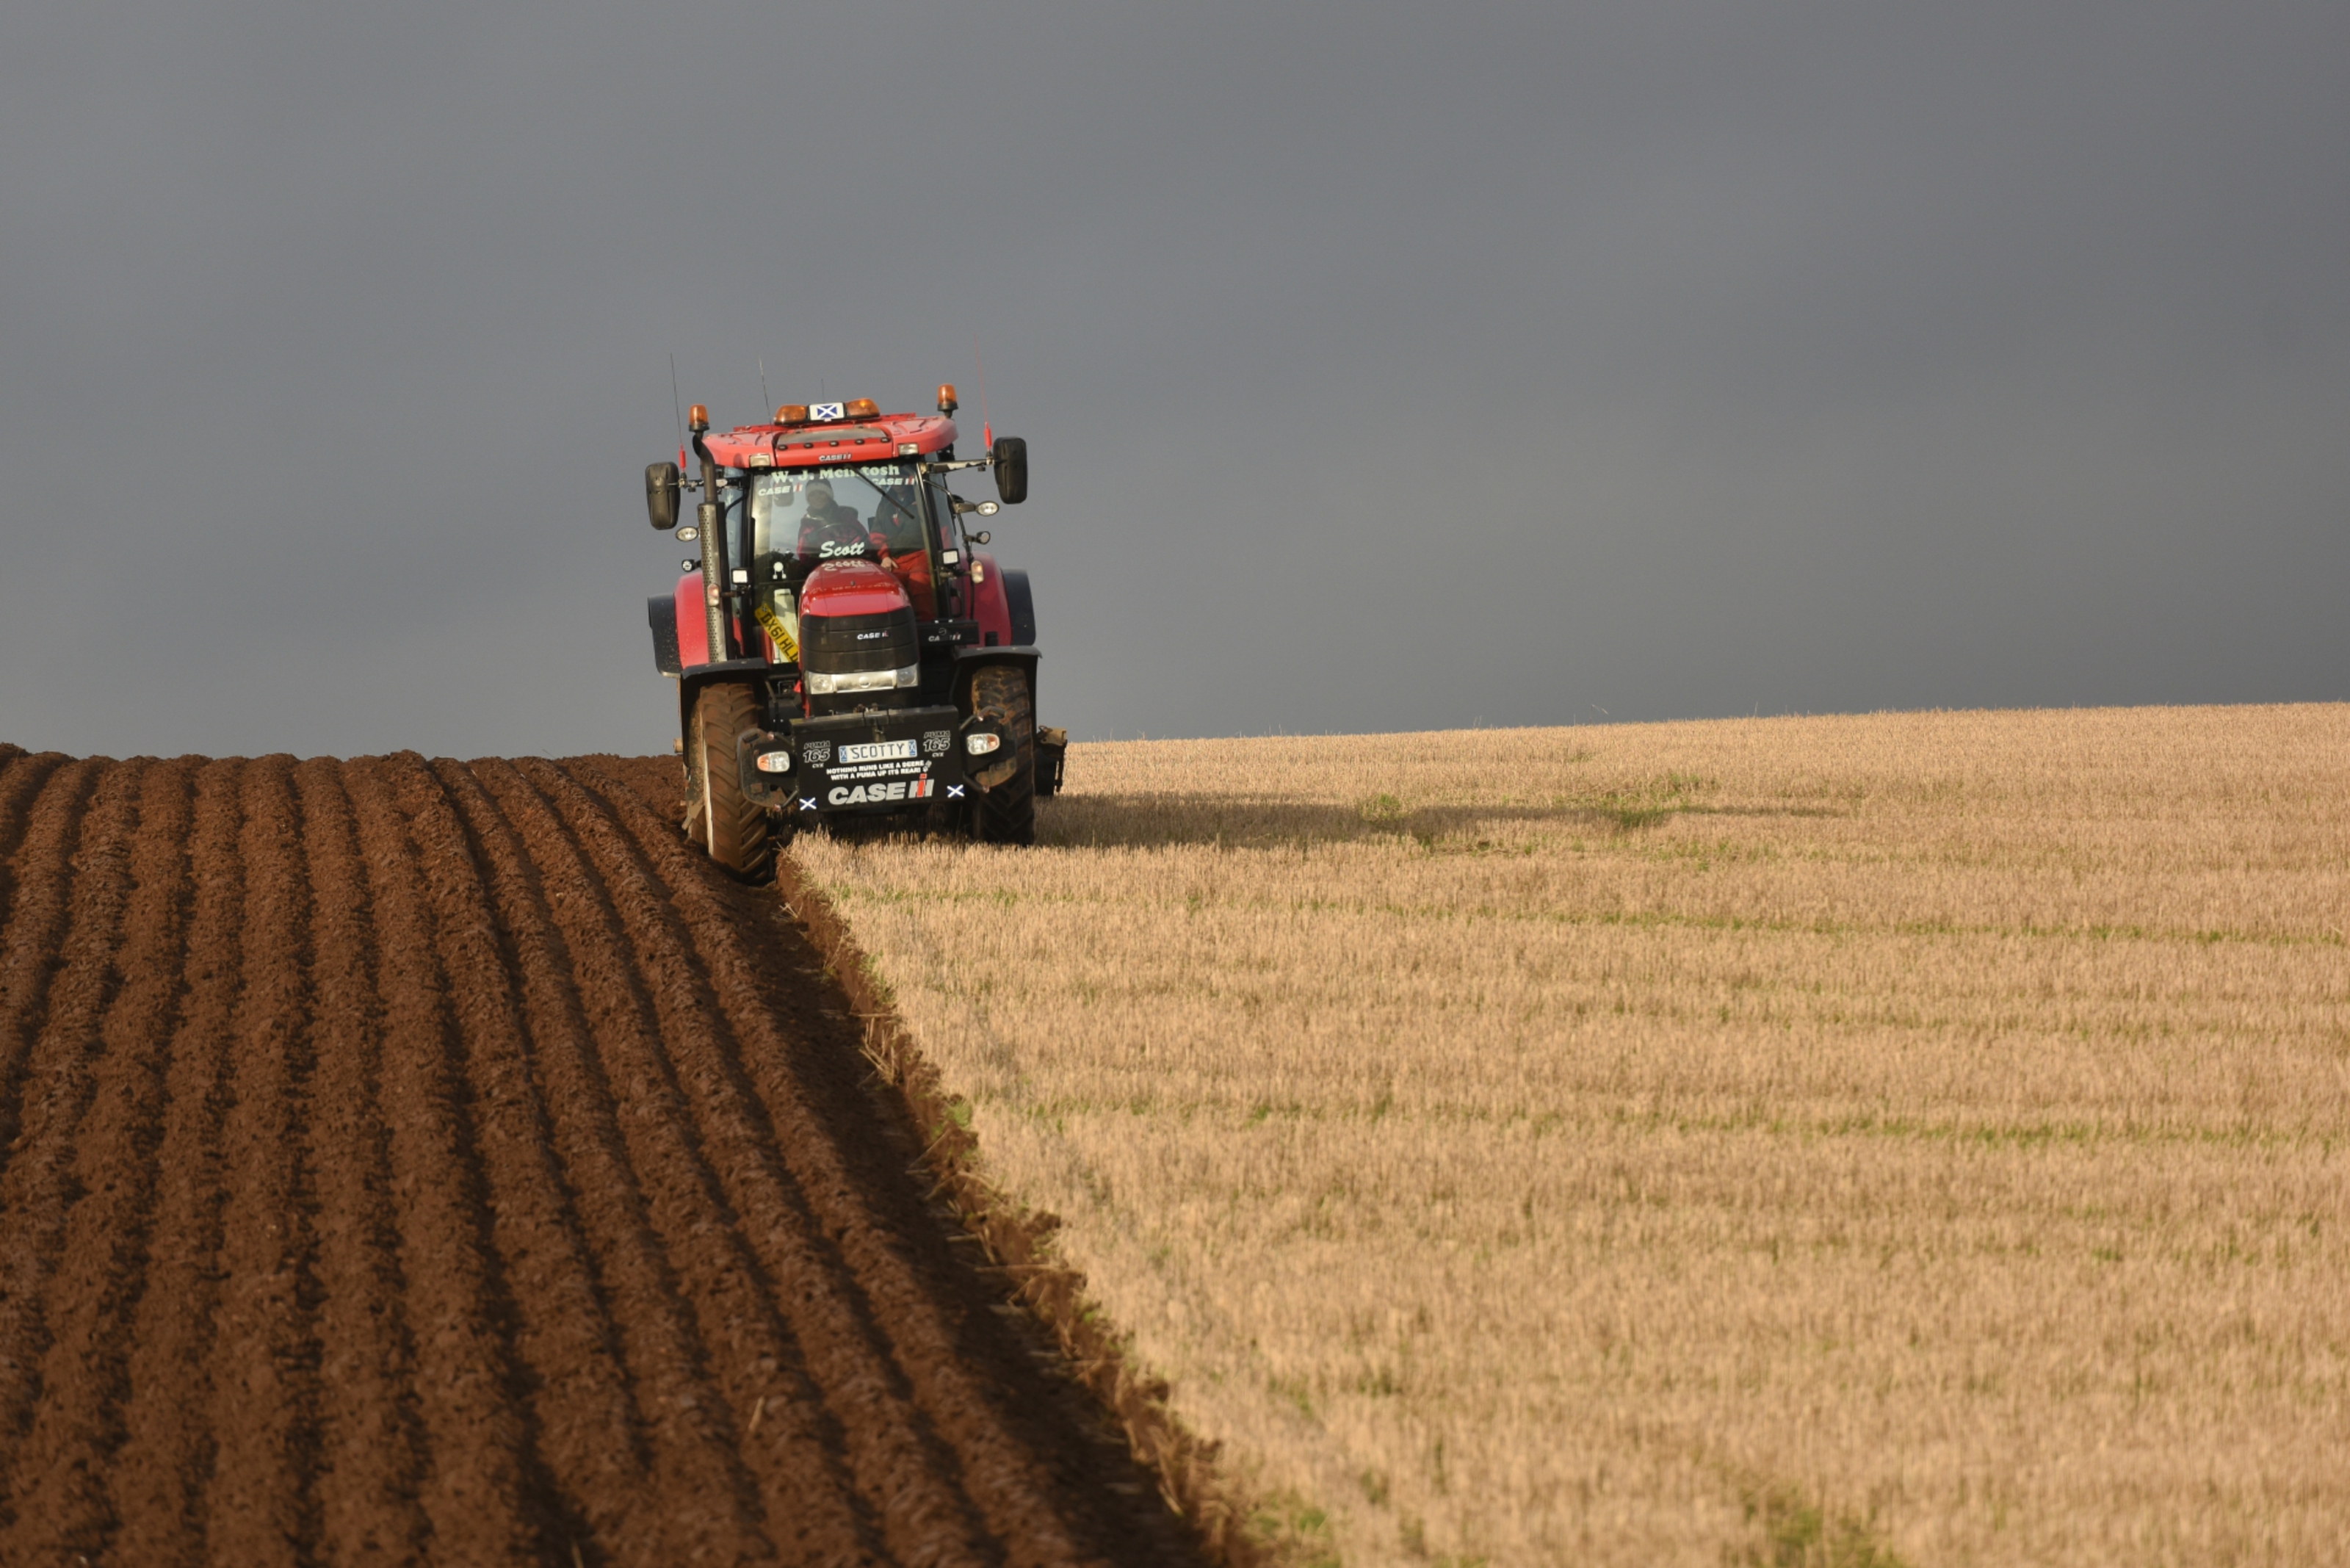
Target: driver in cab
[(830, 532)]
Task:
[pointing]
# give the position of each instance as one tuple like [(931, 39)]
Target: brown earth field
[(419, 1160)]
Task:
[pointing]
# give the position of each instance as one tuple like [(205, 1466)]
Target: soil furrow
[(678, 1265), (902, 1472), (578, 1397), (157, 1476), (58, 1503), (1022, 1501), (21, 778), (409, 1162), (486, 1493), (39, 1185), (30, 957), (371, 1457), (263, 1367), (697, 1494)]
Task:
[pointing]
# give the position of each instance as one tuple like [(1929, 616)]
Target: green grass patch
[(1791, 1532), (1290, 1531)]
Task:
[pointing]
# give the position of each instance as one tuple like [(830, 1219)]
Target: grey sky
[(1383, 367)]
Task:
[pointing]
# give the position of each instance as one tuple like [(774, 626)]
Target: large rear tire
[(1007, 811), (720, 816)]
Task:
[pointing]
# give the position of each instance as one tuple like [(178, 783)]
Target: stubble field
[(1793, 1139)]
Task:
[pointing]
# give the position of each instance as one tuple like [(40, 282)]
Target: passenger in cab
[(898, 534)]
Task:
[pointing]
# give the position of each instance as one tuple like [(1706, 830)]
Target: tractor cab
[(892, 516)]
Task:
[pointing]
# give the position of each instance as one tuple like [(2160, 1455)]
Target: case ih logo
[(896, 789)]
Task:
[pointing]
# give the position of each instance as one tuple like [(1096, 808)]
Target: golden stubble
[(1540, 1145)]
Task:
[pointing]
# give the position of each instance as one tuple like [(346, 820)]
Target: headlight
[(978, 742), (774, 762), (820, 684)]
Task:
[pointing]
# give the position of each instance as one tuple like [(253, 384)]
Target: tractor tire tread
[(1007, 813), (733, 827)]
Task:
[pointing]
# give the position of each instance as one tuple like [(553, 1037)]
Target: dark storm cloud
[(1384, 366)]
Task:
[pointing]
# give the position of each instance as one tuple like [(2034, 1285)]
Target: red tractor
[(843, 655)]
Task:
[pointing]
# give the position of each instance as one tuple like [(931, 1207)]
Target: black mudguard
[(660, 614), (1022, 603)]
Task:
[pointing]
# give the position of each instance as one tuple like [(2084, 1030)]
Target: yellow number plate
[(777, 632)]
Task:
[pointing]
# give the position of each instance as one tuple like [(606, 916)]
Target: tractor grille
[(839, 644)]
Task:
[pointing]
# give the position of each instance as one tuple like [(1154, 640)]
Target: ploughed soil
[(409, 1160)]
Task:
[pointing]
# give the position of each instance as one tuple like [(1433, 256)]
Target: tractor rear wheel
[(1007, 809), (721, 817)]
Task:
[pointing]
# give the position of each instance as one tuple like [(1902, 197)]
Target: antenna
[(764, 401), (987, 431), (680, 405)]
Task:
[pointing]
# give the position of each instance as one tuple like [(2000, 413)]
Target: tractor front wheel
[(1007, 809), (720, 816)]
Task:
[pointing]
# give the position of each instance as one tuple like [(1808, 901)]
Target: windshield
[(801, 518)]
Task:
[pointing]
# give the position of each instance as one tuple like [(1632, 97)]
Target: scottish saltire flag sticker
[(825, 411)]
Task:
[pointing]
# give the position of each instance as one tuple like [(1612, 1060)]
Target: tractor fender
[(660, 614), (751, 672), (968, 660), (1021, 604)]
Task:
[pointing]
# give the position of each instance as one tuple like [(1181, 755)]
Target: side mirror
[(660, 494), (1011, 458)]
